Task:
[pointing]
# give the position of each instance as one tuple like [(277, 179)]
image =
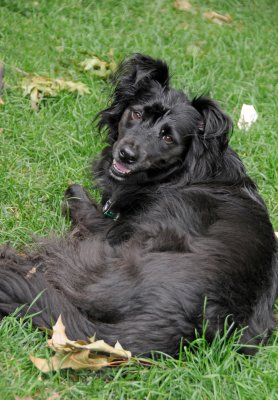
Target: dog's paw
[(78, 203), (76, 192), (74, 196)]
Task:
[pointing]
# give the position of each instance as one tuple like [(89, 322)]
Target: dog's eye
[(136, 115), (167, 139)]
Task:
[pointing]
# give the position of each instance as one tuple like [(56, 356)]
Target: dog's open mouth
[(119, 170)]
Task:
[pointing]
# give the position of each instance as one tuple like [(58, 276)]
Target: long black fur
[(191, 229)]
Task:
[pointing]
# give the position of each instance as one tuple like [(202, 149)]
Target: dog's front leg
[(84, 212), (79, 205)]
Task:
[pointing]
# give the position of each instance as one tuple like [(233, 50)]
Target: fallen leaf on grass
[(39, 87), (182, 5), (92, 355), (217, 18), (98, 67), (1, 130)]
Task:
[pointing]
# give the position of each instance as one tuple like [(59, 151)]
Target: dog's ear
[(140, 67), (132, 80), (210, 141), (214, 123)]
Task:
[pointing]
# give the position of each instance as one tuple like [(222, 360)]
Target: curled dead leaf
[(182, 5), (38, 87), (78, 354), (59, 337), (98, 67), (217, 18)]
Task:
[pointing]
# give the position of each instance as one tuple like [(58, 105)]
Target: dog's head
[(155, 130)]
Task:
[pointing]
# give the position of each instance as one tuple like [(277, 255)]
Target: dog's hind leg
[(142, 331), (44, 304)]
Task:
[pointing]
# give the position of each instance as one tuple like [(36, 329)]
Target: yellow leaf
[(98, 67), (217, 18), (38, 87), (92, 339), (182, 5), (59, 337), (74, 361), (46, 365), (101, 347), (70, 86), (78, 354)]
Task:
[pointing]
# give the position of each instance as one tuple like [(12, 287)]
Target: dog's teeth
[(120, 168)]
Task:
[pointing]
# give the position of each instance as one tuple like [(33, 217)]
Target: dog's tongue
[(120, 167)]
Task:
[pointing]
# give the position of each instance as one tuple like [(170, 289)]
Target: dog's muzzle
[(119, 171)]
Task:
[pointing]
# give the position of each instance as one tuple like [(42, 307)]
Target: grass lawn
[(42, 151)]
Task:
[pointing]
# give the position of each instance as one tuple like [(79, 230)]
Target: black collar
[(108, 212)]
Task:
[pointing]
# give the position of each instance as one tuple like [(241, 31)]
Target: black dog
[(180, 225)]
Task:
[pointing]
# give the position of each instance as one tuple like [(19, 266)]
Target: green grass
[(40, 152)]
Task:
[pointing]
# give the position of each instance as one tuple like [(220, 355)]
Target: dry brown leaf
[(59, 337), (217, 18), (1, 130), (45, 365), (92, 355), (38, 87), (31, 272), (1, 102), (182, 5), (79, 360), (98, 67)]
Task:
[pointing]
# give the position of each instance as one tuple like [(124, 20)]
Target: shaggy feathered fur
[(180, 224)]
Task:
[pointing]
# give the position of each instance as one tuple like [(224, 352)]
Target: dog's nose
[(128, 154)]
